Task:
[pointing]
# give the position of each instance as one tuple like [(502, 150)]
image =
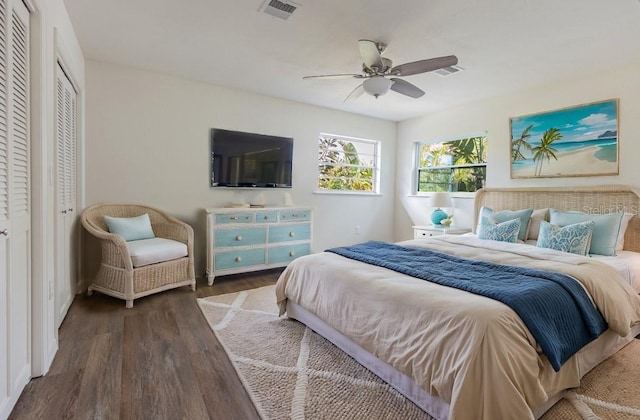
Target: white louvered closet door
[(65, 194), (15, 204)]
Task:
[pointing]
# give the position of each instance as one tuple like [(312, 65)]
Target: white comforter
[(471, 351)]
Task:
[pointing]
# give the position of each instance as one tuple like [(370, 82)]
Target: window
[(457, 165), (348, 164)]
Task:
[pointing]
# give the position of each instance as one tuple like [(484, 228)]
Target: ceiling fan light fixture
[(377, 85)]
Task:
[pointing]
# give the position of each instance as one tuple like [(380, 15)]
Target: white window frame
[(418, 168), (375, 165)]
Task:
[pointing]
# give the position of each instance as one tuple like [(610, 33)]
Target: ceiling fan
[(377, 69)]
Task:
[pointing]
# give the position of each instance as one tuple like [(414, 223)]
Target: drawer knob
[(292, 253), (238, 259), (292, 234), (238, 238), (266, 217), (233, 218)]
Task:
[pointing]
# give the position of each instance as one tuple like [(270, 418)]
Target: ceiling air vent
[(278, 9), (445, 71)]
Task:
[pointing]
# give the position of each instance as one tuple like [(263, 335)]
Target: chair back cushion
[(131, 228)]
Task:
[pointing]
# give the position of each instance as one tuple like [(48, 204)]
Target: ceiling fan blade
[(334, 76), (355, 94), (423, 66), (406, 88), (370, 55)]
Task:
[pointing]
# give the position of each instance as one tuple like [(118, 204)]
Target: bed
[(456, 354)]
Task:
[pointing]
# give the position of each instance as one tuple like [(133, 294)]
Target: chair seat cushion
[(155, 250)]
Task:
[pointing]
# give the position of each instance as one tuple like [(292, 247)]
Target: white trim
[(348, 192), (32, 5), (481, 133), (456, 194), (43, 340)]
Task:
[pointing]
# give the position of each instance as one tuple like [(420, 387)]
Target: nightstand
[(431, 230)]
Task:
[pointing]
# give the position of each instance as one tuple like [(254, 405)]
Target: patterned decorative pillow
[(505, 231), (605, 231), (575, 238), (504, 215)]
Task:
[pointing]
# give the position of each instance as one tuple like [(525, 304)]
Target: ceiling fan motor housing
[(374, 70)]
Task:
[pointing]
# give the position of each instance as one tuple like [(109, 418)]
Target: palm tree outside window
[(347, 164), (456, 166)]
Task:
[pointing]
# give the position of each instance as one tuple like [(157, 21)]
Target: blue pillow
[(574, 238), (505, 231), (504, 215), (605, 230), (130, 228)]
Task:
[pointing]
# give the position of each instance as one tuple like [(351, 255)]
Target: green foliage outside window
[(346, 164), (458, 165)]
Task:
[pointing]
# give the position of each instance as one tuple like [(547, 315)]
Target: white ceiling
[(503, 45)]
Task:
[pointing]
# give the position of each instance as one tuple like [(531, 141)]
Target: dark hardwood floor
[(158, 360)]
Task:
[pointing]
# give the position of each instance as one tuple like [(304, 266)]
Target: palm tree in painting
[(523, 141), (544, 150)]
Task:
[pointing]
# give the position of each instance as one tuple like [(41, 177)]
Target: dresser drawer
[(267, 217), (240, 236), (420, 233), (239, 217), (239, 258), (295, 215), (289, 233), (285, 253)]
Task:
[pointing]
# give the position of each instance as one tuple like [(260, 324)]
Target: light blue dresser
[(242, 240)]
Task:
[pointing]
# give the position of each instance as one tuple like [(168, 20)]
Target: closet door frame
[(65, 206), (44, 342), (64, 60)]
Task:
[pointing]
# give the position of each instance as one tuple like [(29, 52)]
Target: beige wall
[(148, 142), (493, 115)]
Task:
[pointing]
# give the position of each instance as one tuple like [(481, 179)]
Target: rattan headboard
[(596, 200)]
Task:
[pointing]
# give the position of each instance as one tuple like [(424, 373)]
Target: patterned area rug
[(291, 372)]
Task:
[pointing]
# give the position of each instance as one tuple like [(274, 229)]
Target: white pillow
[(623, 228), (537, 217)]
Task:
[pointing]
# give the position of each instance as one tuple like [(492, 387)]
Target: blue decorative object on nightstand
[(438, 216), (439, 199)]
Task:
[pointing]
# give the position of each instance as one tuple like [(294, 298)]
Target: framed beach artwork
[(576, 141)]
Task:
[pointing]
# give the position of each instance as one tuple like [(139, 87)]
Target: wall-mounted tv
[(241, 159)]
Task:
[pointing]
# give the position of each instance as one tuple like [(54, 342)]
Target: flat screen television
[(241, 159)]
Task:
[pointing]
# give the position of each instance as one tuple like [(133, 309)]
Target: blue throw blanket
[(553, 306)]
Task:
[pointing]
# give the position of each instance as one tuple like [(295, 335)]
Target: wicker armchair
[(117, 276)]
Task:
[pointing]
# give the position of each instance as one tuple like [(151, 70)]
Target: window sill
[(341, 192), (465, 195)]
